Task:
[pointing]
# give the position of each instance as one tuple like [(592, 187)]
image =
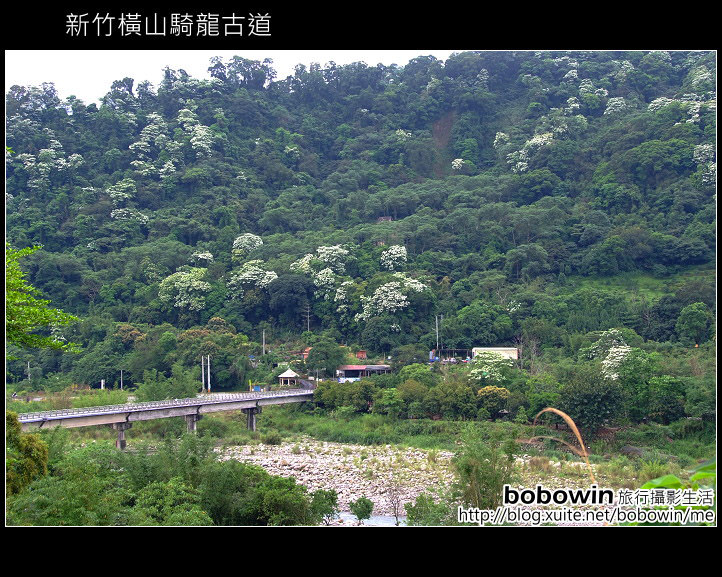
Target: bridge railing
[(205, 399)]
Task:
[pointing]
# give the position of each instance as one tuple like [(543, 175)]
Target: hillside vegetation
[(562, 203)]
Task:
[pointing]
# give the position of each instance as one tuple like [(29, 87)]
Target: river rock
[(354, 471)]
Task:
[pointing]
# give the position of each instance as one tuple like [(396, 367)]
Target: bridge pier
[(121, 428), (251, 417), (192, 422)]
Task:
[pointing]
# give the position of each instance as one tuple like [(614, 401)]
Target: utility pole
[(438, 342), (441, 331), (203, 375), (209, 373), (264, 341), (121, 379)]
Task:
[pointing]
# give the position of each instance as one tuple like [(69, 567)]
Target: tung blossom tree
[(201, 137), (326, 268), (128, 214), (341, 297), (245, 244), (251, 275), (501, 139), (153, 140), (614, 359), (334, 257), (389, 298), (122, 191), (49, 164), (612, 349), (303, 264), (519, 160), (615, 105), (325, 282), (394, 257), (186, 289), (705, 158), (607, 340), (490, 367), (202, 257)]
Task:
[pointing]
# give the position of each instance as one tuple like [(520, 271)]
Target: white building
[(508, 352)]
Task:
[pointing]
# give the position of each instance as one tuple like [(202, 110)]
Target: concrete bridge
[(122, 417)]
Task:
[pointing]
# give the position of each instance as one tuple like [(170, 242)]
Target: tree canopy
[(518, 197), (26, 313)]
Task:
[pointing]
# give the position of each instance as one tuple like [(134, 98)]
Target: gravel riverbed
[(375, 472), (381, 472)]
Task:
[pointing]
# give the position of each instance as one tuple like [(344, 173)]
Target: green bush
[(272, 438), (483, 466), (361, 508)]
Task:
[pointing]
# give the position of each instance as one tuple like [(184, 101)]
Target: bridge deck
[(109, 414)]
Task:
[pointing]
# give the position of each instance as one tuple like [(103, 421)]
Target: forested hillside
[(532, 199)]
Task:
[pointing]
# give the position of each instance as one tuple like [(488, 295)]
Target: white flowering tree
[(251, 275), (325, 267), (303, 264), (615, 105), (325, 283), (153, 140), (389, 298), (394, 258), (586, 88), (342, 296), (48, 163), (185, 289), (616, 355), (706, 160), (245, 244), (128, 214), (201, 257), (519, 160), (200, 136), (607, 340), (334, 256), (490, 367), (410, 284), (501, 139), (122, 191), (612, 349), (167, 170), (693, 103)]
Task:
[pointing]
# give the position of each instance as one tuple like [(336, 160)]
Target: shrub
[(483, 467), (272, 438), (361, 509)]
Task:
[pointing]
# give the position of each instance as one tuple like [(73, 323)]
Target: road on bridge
[(121, 417)]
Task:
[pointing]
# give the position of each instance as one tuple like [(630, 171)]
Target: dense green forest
[(560, 202), (563, 203)]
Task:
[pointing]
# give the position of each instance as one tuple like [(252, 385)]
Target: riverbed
[(388, 475)]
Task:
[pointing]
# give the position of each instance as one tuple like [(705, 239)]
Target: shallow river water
[(348, 520)]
